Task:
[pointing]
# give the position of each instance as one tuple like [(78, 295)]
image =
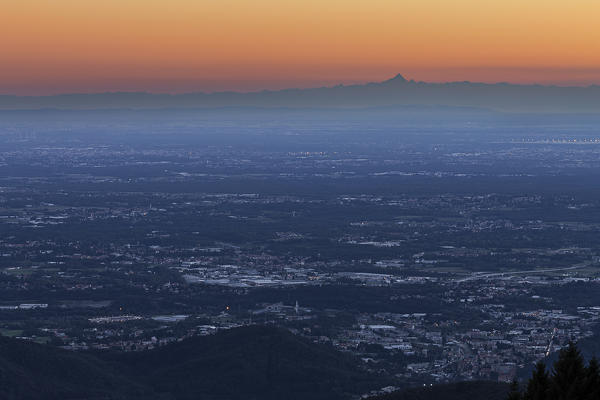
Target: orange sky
[(54, 46)]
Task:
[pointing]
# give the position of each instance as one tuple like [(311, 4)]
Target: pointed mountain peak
[(397, 79)]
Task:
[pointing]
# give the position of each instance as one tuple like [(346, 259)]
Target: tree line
[(568, 379)]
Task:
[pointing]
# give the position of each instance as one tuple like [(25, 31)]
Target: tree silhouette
[(568, 374), (539, 384), (592, 381), (514, 393), (570, 379)]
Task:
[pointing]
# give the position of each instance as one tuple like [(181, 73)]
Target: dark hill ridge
[(246, 363), (255, 362), (393, 92), (32, 371)]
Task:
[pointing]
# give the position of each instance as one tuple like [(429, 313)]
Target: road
[(479, 275)]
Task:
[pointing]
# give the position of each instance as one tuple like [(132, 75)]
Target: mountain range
[(397, 91)]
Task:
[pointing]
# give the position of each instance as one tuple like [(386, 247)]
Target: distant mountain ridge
[(397, 91)]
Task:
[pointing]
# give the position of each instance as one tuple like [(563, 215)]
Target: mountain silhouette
[(397, 91), (396, 79)]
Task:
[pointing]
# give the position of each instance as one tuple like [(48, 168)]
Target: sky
[(67, 46)]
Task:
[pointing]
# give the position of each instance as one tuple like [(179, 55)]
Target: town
[(402, 256)]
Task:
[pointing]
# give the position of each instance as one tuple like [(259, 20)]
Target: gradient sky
[(58, 46)]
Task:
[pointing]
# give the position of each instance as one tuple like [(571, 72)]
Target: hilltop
[(33, 371), (248, 363)]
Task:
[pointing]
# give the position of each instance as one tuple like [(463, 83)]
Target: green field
[(11, 332)]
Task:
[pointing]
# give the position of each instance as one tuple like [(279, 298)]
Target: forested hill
[(38, 372), (255, 362), (252, 363), (245, 363)]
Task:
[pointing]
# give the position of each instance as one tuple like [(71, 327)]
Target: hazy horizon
[(397, 91), (312, 84)]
